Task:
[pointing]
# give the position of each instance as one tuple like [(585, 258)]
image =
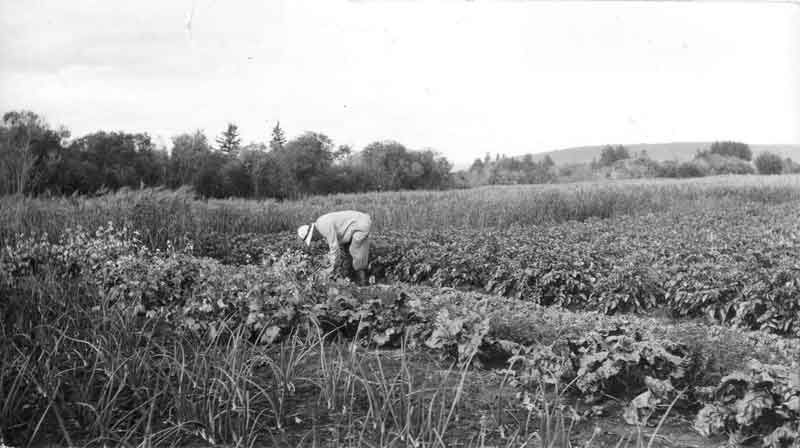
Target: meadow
[(647, 313)]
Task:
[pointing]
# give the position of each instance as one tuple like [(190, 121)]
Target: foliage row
[(597, 355), (733, 266)]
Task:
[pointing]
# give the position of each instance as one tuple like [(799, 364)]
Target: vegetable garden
[(674, 327)]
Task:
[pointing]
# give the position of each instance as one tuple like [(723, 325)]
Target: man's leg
[(362, 277), (359, 250), (344, 262)]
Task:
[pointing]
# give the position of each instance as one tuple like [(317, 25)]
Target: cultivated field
[(641, 313)]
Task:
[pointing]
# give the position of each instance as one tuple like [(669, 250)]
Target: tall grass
[(96, 377), (77, 371), (163, 215)]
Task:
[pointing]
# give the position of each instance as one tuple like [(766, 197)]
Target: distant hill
[(658, 151)]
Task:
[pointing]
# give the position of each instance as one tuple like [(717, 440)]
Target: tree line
[(36, 158), (719, 158), (617, 161)]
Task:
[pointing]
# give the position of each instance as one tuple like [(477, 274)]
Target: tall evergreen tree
[(229, 141), (278, 138)]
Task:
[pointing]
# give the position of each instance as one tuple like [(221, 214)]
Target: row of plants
[(596, 355), (733, 266)]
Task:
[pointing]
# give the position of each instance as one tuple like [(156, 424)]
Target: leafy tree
[(306, 157), (229, 141), (667, 168), (271, 178), (121, 159), (76, 175), (611, 154), (527, 160), (343, 152), (159, 171), (152, 166), (28, 150), (209, 181), (435, 170), (16, 157), (236, 179), (715, 164), (511, 170), (769, 163), (790, 166), (732, 149), (251, 154), (690, 169), (387, 163), (477, 166), (343, 179), (187, 155)]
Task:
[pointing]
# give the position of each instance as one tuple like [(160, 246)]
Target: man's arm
[(328, 232), (332, 254)]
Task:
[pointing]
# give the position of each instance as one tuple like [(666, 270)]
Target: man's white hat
[(305, 232)]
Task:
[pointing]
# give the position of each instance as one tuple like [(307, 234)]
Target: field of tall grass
[(163, 215)]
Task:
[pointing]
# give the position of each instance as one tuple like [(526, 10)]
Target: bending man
[(342, 229)]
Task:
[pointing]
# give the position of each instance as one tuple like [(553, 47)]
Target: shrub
[(692, 169), (720, 164), (611, 154), (634, 168), (790, 166), (667, 168), (769, 163), (732, 149)]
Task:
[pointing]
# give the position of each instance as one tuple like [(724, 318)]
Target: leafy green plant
[(760, 401), (463, 334)]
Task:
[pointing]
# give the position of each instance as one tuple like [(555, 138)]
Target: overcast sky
[(462, 77)]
